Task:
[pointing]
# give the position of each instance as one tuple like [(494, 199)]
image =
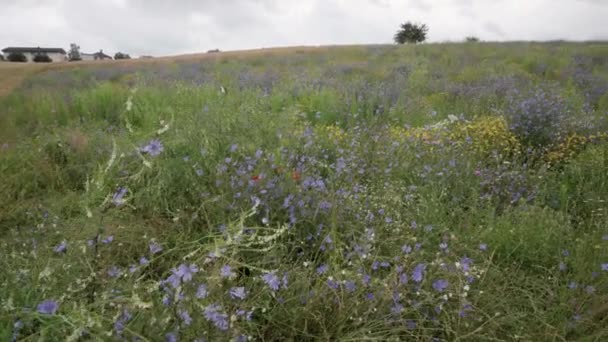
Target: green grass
[(312, 159)]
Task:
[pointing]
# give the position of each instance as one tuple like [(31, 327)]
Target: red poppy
[(295, 175), (255, 178)]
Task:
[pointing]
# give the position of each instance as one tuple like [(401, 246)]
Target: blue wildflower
[(118, 197), (185, 316), (272, 280), (397, 308), (440, 285), (153, 148), (403, 279), (201, 291), (212, 314), (185, 272), (332, 284), (238, 293), (465, 263), (171, 337), (114, 272), (155, 248), (48, 307), (226, 272), (418, 273), (61, 248), (350, 286), (322, 269)]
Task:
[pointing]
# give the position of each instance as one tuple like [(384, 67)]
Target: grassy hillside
[(436, 192)]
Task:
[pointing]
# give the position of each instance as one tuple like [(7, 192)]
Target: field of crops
[(436, 192)]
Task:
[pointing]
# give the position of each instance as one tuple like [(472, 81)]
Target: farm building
[(56, 54), (97, 56)]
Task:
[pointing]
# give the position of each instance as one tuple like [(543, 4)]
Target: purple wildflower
[(440, 285), (402, 278), (605, 267), (350, 286), (185, 316), (465, 263), (226, 272), (238, 293), (120, 323), (572, 285), (410, 324), (48, 307), (155, 248), (118, 197), (443, 246), (143, 261), (366, 279), (174, 280), (605, 237), (332, 284), (108, 239), (483, 246), (418, 273), (153, 148), (171, 337), (566, 252), (201, 291), (590, 289), (61, 248), (234, 148), (185, 272), (212, 314), (114, 272), (406, 249), (272, 281), (322, 269), (397, 308), (562, 266)]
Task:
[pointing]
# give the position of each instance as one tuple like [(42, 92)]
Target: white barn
[(97, 56), (56, 54)]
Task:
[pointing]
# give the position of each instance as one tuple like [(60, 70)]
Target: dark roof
[(101, 55), (33, 49)]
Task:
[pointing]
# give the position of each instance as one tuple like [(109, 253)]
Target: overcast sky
[(164, 27)]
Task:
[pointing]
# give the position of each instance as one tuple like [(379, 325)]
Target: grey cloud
[(493, 28)]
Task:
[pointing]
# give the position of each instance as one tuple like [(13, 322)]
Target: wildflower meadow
[(436, 192)]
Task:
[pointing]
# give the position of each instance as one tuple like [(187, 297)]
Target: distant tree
[(411, 33), (16, 57), (42, 58), (120, 55), (213, 51), (74, 54), (471, 39), (1, 57)]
